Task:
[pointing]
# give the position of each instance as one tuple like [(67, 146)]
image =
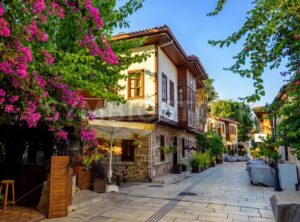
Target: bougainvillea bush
[(50, 50)]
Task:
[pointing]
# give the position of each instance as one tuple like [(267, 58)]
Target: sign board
[(259, 137)]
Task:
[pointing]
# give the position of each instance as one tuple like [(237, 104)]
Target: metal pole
[(277, 181), (110, 158)]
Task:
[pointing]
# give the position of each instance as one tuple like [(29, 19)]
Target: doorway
[(175, 161)]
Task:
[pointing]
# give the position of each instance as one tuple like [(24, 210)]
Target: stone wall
[(164, 167), (139, 169), (133, 170)]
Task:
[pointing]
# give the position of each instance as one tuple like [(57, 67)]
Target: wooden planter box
[(84, 180), (176, 169), (99, 185), (195, 170)]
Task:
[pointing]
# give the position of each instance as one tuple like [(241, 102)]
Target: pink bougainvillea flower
[(9, 109), (90, 116), (32, 30), (1, 10), (94, 14), (13, 99), (57, 10), (42, 37), (89, 136), (25, 50), (1, 100), (62, 134), (31, 117), (5, 67), (2, 92), (108, 54), (38, 6), (48, 57), (21, 70), (4, 29)]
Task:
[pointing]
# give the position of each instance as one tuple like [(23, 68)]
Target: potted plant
[(213, 161), (167, 149), (184, 165), (84, 176), (205, 157), (195, 162), (99, 176)]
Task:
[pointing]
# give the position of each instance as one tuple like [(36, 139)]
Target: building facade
[(162, 91), (225, 128)]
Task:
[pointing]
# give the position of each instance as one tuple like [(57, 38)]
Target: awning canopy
[(111, 129)]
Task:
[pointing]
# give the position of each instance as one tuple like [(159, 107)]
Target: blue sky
[(188, 21)]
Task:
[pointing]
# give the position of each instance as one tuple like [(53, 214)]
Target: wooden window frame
[(172, 93), (164, 99), (141, 71)]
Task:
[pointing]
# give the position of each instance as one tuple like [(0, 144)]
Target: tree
[(209, 90), (272, 36), (49, 50), (272, 31), (237, 111), (211, 142)]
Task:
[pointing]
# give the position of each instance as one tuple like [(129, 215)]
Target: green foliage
[(271, 35), (1, 197), (210, 142), (268, 148), (79, 69), (200, 159), (195, 160), (184, 163), (167, 149), (209, 90), (289, 126), (237, 111)]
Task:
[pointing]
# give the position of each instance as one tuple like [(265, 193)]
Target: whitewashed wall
[(136, 106), (166, 66)]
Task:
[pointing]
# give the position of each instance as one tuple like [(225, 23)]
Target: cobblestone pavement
[(220, 194), (20, 214)]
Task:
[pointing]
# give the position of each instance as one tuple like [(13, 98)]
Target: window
[(232, 130), (171, 93), (136, 84), (191, 100), (180, 98), (162, 144), (164, 85), (127, 150)]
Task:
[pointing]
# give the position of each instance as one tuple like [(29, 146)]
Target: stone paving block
[(259, 219), (231, 208), (167, 219), (237, 217), (214, 219), (176, 214), (214, 215), (215, 206), (247, 209)]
